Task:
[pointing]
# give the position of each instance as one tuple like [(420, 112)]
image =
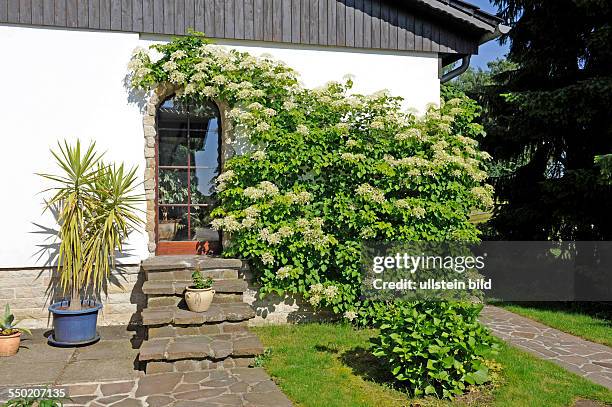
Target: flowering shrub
[(435, 348), (325, 170)]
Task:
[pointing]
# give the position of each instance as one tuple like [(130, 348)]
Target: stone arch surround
[(150, 152)]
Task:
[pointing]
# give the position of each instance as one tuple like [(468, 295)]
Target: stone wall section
[(27, 292)]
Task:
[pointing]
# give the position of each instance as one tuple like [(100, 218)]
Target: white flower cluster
[(351, 157), (274, 238), (259, 155), (484, 194), (350, 315), (138, 65), (303, 130), (267, 258), (302, 197), (319, 291), (371, 193), (228, 224), (224, 178), (410, 134), (408, 205), (377, 124), (285, 272), (263, 189), (289, 105)]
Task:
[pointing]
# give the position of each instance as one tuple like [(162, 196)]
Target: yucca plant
[(97, 206)]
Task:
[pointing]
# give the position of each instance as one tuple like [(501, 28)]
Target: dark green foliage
[(199, 281), (547, 119), (435, 348)]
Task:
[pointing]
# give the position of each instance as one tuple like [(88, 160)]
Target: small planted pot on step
[(74, 327), (200, 295)]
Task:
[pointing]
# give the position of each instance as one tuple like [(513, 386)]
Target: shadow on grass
[(362, 363)]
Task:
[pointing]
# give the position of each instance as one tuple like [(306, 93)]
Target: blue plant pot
[(74, 327)]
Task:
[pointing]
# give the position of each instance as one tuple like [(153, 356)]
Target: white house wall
[(59, 84)]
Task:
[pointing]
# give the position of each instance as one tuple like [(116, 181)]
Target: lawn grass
[(588, 321), (327, 365)]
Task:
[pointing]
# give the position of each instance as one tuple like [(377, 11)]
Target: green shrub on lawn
[(435, 348)]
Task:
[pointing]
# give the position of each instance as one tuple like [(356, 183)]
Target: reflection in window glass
[(188, 143)]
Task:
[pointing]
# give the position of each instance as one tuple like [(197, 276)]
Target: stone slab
[(232, 312), (226, 286), (216, 347), (177, 262)]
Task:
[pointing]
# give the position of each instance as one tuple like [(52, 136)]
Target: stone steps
[(178, 262), (179, 340), (177, 287), (231, 312), (214, 347), (185, 274), (170, 331)]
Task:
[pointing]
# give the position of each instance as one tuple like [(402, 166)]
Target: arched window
[(188, 162)]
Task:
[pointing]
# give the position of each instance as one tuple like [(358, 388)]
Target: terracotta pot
[(9, 345), (199, 299)]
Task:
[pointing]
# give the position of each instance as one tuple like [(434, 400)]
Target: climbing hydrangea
[(327, 168)]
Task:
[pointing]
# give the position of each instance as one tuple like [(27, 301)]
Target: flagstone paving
[(104, 374), (587, 359), (220, 387)]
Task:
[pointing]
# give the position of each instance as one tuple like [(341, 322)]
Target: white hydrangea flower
[(178, 54), (219, 80), (230, 224), (248, 223), (284, 272), (372, 194), (353, 157), (484, 195), (226, 176), (253, 193), (251, 212), (177, 77), (418, 212), (262, 126), (255, 106), (317, 222), (169, 66), (217, 224), (268, 188), (316, 288), (303, 130), (289, 105), (269, 112), (350, 315), (314, 300), (285, 231), (259, 155), (331, 292), (377, 124), (267, 259)]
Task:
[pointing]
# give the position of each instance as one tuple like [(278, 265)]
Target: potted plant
[(10, 335), (96, 205), (199, 296)]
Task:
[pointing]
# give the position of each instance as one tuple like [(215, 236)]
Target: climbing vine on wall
[(324, 169)]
